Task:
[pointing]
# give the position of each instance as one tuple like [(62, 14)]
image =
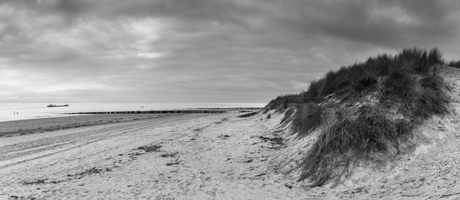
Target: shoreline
[(35, 118), (40, 125), (197, 110), (81, 119), (39, 110), (196, 156)]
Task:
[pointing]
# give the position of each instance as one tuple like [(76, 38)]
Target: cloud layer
[(201, 50)]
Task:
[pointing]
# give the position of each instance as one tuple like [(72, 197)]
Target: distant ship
[(56, 105)]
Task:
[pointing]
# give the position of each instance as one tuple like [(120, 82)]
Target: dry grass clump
[(150, 148), (282, 102), (364, 109), (351, 136), (398, 85), (307, 118), (455, 64), (288, 116)]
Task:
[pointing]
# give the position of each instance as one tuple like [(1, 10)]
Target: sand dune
[(430, 170)]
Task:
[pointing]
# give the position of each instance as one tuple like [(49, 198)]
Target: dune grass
[(287, 116), (455, 64), (364, 109), (307, 118), (282, 102), (150, 148)]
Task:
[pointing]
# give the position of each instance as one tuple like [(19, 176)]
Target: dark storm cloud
[(429, 10), (223, 11), (210, 50), (387, 23), (370, 21)]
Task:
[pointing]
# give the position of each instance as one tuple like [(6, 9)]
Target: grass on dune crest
[(364, 109), (455, 64)]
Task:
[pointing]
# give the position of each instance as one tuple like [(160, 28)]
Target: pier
[(178, 111)]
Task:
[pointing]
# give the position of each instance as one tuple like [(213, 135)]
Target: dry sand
[(217, 156)]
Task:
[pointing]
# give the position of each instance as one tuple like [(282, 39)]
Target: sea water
[(21, 111)]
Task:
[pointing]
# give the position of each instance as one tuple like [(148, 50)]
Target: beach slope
[(219, 156)]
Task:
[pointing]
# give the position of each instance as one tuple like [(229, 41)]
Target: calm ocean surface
[(39, 110)]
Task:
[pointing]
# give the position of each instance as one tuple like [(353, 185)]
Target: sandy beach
[(214, 156)]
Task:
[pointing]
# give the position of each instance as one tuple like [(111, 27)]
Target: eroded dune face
[(428, 168)]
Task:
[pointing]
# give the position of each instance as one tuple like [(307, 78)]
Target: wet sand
[(31, 126)]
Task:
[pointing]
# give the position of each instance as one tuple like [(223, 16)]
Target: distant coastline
[(39, 110)]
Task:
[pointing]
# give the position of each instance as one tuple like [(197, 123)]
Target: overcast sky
[(165, 51)]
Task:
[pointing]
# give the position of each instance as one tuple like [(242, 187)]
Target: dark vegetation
[(288, 116), (364, 109), (276, 141), (249, 114), (150, 148), (169, 155), (455, 64)]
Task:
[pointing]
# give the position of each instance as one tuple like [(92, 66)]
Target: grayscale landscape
[(229, 99)]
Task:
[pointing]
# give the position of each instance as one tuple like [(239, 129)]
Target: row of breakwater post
[(184, 111)]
